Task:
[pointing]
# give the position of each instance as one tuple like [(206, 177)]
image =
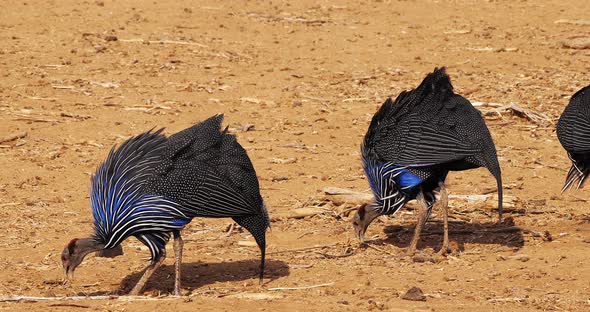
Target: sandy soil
[(308, 76)]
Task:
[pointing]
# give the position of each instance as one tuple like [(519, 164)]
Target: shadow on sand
[(198, 274), (460, 232)]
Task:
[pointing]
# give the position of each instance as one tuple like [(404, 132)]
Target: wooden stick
[(574, 22), (38, 98), (34, 119), (69, 305), (230, 230), (306, 233), (33, 298), (381, 250), (14, 136), (329, 256), (515, 299), (301, 249), (75, 298), (165, 42), (303, 287), (300, 213)]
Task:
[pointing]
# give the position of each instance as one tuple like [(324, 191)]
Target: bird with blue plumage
[(152, 186), (412, 144)]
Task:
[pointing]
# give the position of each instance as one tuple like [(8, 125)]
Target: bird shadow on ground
[(198, 274), (460, 233)]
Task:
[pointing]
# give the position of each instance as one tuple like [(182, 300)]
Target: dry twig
[(164, 42), (381, 250), (301, 249), (515, 299), (302, 287), (573, 22), (14, 136), (76, 298)]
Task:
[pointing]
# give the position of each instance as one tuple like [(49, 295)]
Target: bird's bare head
[(74, 253), (70, 258), (362, 218)]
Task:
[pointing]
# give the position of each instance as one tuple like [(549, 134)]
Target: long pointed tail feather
[(500, 197), (494, 168), (262, 260)]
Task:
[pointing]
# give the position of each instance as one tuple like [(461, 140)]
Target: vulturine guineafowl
[(573, 132), (411, 145), (151, 186)]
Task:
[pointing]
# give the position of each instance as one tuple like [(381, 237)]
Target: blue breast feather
[(378, 173), (119, 213), (120, 205), (180, 222), (407, 180)]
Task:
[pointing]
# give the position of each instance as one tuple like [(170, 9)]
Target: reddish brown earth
[(308, 75)]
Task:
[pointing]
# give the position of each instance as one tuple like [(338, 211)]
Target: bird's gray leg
[(151, 268), (178, 244), (444, 203), (422, 212)]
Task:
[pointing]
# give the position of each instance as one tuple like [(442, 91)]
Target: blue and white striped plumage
[(121, 208), (389, 197), (413, 142), (152, 185)]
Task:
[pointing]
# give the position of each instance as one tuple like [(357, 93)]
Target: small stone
[(290, 160), (414, 294), (100, 49), (522, 258), (111, 38), (248, 127), (375, 305), (577, 43)]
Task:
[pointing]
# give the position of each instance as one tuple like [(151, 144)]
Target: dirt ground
[(308, 75)]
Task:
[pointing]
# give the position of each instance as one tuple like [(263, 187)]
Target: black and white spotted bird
[(152, 186), (411, 145), (573, 132)]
